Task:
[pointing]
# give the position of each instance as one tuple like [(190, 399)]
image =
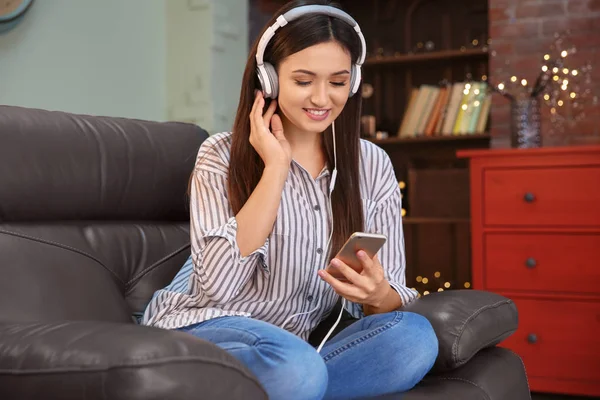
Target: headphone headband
[(297, 12)]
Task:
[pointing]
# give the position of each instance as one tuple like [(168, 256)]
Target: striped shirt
[(280, 278)]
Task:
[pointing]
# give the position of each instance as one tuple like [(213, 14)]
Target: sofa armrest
[(100, 360), (465, 321)]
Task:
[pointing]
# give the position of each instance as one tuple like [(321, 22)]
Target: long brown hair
[(246, 166)]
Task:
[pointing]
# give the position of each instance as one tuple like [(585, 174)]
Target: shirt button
[(317, 208), (319, 250), (310, 298)]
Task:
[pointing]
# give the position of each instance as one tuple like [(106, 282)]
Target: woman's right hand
[(270, 144)]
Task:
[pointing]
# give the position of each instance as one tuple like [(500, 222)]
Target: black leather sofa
[(94, 219)]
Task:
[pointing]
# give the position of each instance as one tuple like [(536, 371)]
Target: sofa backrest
[(94, 214)]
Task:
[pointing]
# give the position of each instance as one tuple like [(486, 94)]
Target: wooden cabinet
[(535, 222)]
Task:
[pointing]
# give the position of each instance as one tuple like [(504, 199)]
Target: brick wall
[(522, 32)]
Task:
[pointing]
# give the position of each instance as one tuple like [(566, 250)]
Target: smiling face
[(314, 84)]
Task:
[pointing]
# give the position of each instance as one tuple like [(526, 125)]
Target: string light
[(561, 85), (467, 285), (436, 284)]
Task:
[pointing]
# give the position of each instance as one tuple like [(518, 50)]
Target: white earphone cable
[(331, 187)]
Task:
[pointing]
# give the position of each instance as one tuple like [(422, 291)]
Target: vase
[(525, 123)]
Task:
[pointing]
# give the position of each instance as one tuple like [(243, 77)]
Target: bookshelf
[(483, 137), (423, 57), (412, 43)]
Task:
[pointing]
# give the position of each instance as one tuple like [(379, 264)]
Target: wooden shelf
[(431, 139), (421, 57)]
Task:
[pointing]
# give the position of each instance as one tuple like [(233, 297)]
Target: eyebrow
[(304, 71)]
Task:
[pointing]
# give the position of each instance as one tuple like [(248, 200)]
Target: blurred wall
[(207, 49), (87, 56), (149, 59)]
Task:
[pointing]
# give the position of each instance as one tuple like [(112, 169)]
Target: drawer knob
[(531, 263), (529, 197), (532, 338)]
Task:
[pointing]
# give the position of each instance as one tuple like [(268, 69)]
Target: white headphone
[(266, 72), (267, 76)]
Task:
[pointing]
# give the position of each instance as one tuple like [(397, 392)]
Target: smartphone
[(370, 243)]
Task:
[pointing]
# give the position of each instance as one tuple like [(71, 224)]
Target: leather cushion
[(466, 321), (493, 374), (103, 360), (61, 166), (104, 271)]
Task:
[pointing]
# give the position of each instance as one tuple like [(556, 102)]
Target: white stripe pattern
[(280, 278)]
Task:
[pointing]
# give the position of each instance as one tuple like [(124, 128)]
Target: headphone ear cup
[(354, 77), (262, 77), (272, 76)]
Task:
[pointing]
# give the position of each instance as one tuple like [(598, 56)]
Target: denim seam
[(340, 350), (257, 338)]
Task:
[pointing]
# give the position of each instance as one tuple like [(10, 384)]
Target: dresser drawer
[(558, 339), (542, 262), (542, 196)]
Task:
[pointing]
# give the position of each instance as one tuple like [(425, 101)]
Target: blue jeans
[(378, 354)]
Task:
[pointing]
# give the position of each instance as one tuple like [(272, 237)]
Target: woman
[(261, 220)]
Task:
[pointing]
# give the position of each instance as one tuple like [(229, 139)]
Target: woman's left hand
[(368, 287)]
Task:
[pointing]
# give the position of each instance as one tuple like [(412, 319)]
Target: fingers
[(277, 127), (366, 262), (258, 112), (253, 112), (346, 290), (350, 274), (269, 113)]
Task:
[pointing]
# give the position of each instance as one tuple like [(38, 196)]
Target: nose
[(319, 95)]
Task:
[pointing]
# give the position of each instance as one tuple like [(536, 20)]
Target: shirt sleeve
[(220, 268), (387, 220)]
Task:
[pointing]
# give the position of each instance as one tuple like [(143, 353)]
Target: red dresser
[(535, 217)]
